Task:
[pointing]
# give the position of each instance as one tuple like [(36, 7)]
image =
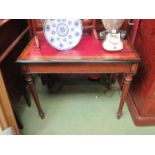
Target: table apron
[(80, 68)]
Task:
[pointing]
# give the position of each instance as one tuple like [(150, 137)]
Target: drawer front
[(78, 68)]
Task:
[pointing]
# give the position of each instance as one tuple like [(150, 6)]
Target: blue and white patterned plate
[(63, 34)]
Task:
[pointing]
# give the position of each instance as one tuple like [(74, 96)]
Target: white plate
[(63, 34)]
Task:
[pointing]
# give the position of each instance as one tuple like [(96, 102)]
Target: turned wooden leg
[(111, 79), (43, 79), (28, 79), (126, 85), (122, 82), (19, 122), (27, 96)]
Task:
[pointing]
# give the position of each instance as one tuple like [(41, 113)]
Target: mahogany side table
[(88, 57)]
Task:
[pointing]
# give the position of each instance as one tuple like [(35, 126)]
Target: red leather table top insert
[(88, 49)]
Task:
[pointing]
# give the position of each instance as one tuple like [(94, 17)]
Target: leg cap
[(41, 114), (119, 115)]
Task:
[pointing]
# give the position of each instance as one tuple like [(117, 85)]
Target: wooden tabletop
[(88, 50)]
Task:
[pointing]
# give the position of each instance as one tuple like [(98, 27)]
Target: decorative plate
[(63, 34)]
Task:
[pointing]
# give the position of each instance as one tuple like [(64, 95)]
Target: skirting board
[(137, 119)]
